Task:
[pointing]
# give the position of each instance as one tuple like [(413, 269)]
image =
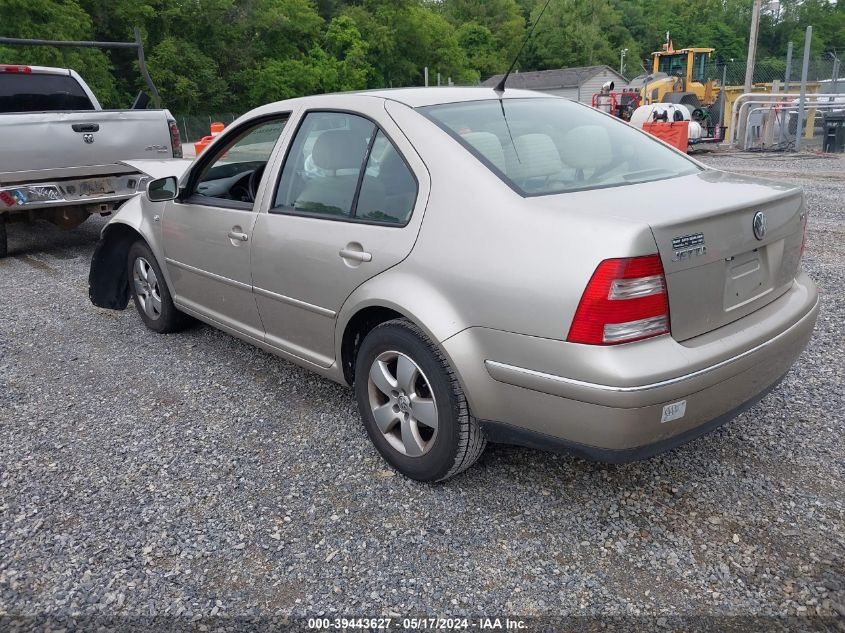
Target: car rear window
[(543, 146), (41, 93)]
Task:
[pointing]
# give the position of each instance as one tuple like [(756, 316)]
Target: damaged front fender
[(108, 281)]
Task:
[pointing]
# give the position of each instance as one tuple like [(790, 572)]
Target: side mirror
[(162, 189)]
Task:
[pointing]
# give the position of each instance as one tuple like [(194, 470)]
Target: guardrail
[(742, 109)]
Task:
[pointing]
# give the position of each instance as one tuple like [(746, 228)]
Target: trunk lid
[(717, 270), (718, 267), (52, 140)]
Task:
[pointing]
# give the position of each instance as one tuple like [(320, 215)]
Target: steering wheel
[(254, 181)]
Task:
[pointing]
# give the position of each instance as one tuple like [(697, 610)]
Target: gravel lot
[(192, 475)]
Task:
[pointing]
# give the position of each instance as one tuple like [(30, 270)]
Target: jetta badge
[(759, 225), (88, 138)]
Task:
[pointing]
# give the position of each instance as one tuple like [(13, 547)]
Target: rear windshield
[(27, 92), (544, 146)]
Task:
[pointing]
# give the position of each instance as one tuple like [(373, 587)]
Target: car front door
[(207, 231), (347, 206)]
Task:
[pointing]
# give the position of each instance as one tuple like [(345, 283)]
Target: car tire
[(404, 385), (150, 292)]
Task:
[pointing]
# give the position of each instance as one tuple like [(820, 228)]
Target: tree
[(503, 19), (579, 33), (187, 77), (231, 55), (479, 45), (404, 36)]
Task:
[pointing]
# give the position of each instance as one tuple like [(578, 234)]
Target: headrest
[(536, 156), (339, 149), (587, 147), (488, 146)]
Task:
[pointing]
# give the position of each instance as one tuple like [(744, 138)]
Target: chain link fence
[(193, 127), (767, 71)]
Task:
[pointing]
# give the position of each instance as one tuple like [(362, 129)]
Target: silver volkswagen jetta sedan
[(478, 266)]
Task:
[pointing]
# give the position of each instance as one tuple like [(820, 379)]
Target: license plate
[(96, 186)]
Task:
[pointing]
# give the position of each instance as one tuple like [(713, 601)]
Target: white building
[(579, 84)]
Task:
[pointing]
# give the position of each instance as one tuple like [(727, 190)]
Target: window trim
[(352, 219), (199, 166)]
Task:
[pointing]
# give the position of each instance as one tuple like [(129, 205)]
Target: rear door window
[(34, 92), (342, 166), (388, 190)]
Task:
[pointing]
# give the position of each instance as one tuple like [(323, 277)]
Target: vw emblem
[(759, 225), (88, 138)]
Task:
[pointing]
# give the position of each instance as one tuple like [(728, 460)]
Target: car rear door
[(347, 205), (207, 231)]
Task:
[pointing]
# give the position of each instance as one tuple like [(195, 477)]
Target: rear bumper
[(70, 192), (506, 434), (608, 402)]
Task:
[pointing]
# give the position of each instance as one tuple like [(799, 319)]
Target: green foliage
[(186, 76), (502, 18), (232, 55)]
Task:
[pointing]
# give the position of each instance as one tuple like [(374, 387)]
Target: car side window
[(235, 171), (388, 190), (323, 167), (322, 175)]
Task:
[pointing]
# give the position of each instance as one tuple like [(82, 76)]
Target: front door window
[(234, 173)]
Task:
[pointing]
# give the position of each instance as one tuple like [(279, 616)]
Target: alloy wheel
[(402, 403), (145, 282)]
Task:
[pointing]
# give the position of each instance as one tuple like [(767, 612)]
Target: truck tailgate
[(43, 140)]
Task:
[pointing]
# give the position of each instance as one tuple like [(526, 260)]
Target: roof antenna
[(500, 87)]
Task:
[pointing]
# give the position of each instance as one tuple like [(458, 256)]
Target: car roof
[(417, 97), (412, 97)]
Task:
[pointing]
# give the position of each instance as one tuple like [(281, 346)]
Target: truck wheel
[(412, 405), (150, 292), (4, 244)]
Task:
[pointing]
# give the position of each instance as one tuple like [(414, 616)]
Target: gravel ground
[(192, 475)]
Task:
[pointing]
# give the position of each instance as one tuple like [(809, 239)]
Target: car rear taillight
[(624, 301), (8, 68), (175, 139)]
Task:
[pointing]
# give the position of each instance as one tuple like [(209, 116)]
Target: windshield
[(674, 65), (544, 146)]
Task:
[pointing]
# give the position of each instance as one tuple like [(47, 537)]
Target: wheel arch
[(356, 329), (367, 308)]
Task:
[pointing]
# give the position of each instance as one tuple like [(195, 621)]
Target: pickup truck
[(61, 153)]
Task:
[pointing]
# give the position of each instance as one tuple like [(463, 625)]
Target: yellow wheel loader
[(680, 77)]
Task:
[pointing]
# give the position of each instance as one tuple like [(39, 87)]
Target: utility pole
[(622, 54), (752, 45), (802, 100)]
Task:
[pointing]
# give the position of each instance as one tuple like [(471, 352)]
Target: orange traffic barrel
[(200, 145)]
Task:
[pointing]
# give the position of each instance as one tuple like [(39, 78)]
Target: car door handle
[(86, 127), (357, 256), (238, 237)]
